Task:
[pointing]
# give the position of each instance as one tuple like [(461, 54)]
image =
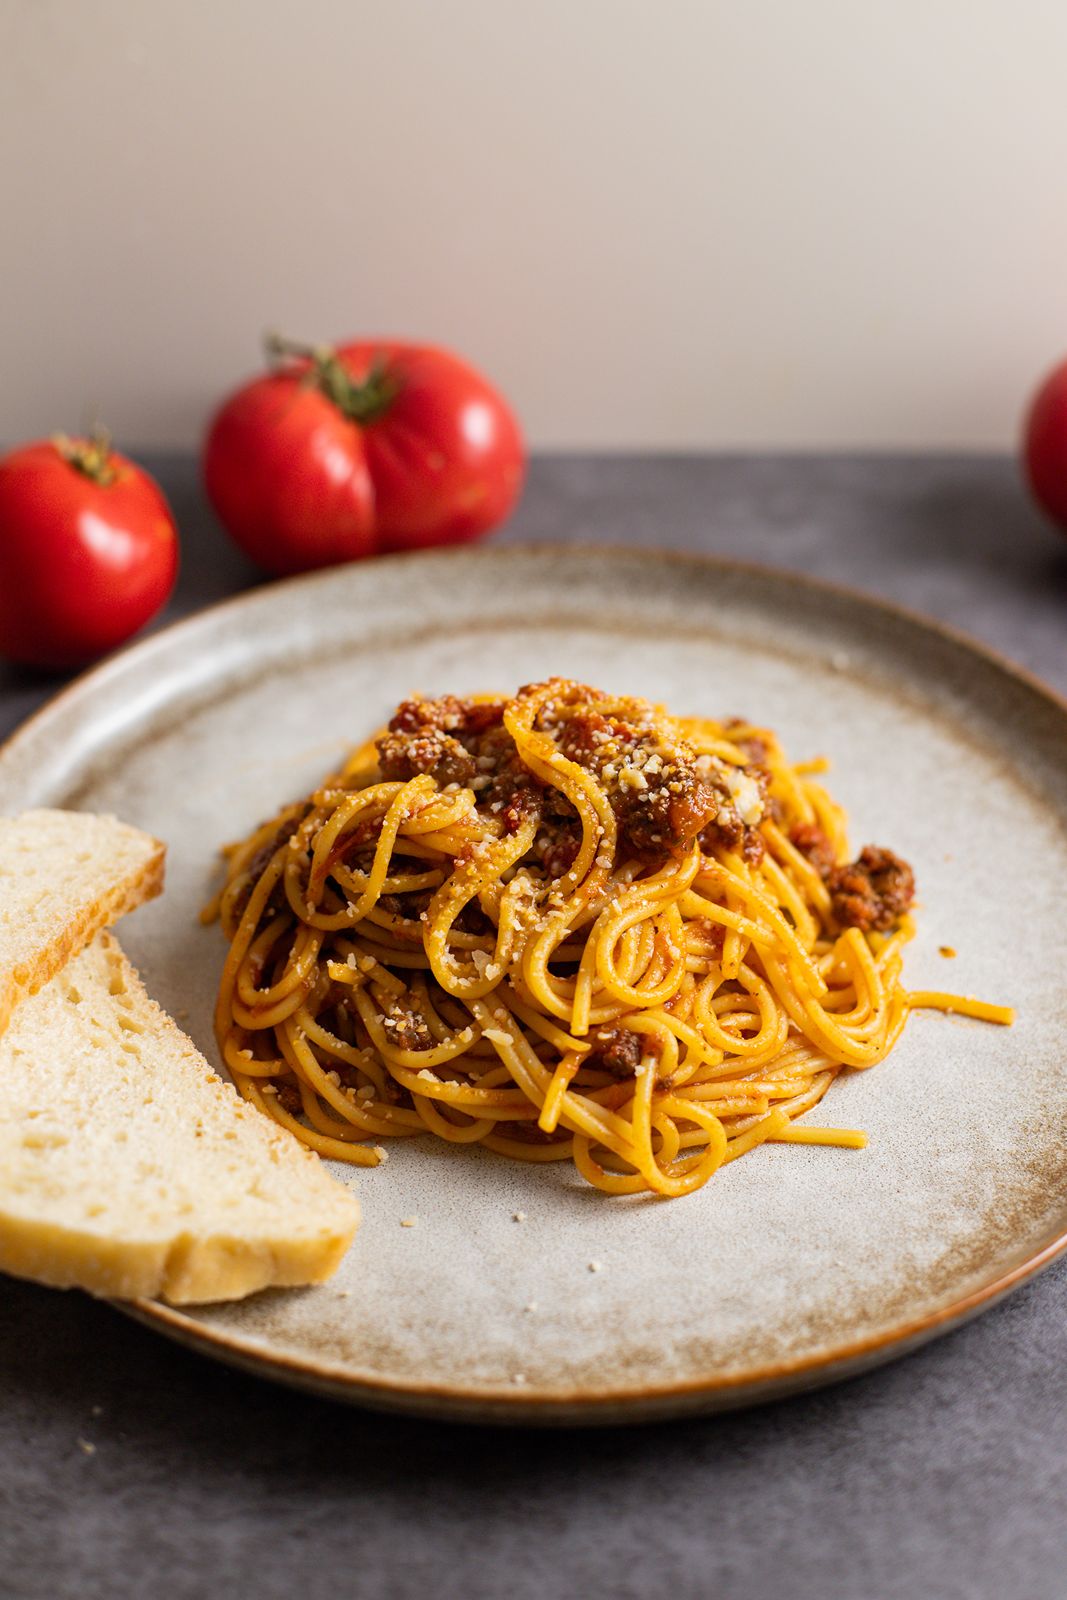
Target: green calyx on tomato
[(357, 447), (361, 401), (91, 457)]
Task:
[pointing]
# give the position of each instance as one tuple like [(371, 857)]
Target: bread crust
[(187, 1271), (125, 894), (55, 1237)]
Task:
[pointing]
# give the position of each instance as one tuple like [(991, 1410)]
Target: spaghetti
[(565, 926)]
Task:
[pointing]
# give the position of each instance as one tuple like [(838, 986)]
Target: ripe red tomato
[(377, 445), (88, 551), (1045, 445)]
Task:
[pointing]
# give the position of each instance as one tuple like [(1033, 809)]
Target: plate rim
[(624, 1402), (145, 645)]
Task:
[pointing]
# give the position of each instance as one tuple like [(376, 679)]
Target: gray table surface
[(944, 1475)]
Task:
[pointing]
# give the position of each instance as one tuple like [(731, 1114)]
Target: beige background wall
[(676, 223)]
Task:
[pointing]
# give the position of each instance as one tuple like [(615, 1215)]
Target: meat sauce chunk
[(448, 714), (663, 795), (813, 843), (406, 755), (660, 799), (438, 737), (618, 1052), (873, 892)]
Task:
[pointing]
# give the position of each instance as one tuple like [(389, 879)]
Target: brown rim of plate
[(505, 1404), (732, 1390)]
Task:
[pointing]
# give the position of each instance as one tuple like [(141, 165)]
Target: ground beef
[(660, 800), (662, 795), (872, 892), (507, 788), (678, 806), (289, 1099), (727, 831), (447, 714), (583, 736), (463, 742), (617, 1051), (406, 1029), (402, 756), (439, 737), (753, 848), (813, 843), (514, 812)]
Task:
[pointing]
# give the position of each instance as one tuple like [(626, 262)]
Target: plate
[(796, 1265)]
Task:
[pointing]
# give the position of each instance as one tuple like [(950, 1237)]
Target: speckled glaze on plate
[(796, 1265)]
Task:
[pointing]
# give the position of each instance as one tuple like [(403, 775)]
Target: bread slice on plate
[(128, 1168), (64, 875)]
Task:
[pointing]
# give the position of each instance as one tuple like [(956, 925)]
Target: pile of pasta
[(403, 961)]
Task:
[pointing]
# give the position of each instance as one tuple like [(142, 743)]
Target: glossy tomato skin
[(300, 484), (83, 565), (1045, 445), (286, 473), (447, 458)]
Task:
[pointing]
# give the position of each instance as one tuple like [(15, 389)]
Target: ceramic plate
[(794, 1266)]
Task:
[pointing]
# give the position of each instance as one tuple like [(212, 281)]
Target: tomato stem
[(360, 400), (91, 457)]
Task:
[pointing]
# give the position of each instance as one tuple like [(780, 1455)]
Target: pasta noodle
[(568, 927)]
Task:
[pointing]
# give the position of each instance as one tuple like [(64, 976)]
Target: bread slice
[(128, 1168), (64, 875)]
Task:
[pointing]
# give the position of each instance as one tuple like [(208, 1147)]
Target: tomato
[(88, 551), (343, 452), (1045, 445)]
